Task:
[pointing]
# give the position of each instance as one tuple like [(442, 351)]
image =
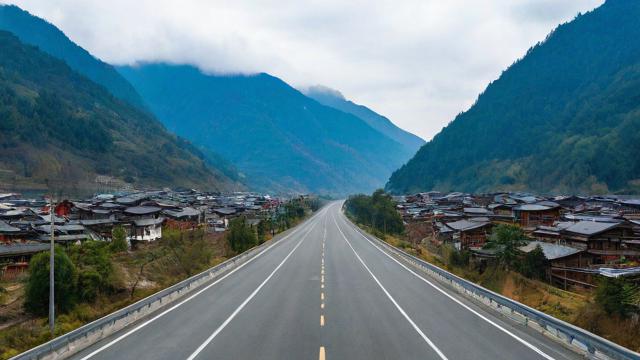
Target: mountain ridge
[(563, 119), (277, 136), (60, 130), (334, 98), (47, 37)]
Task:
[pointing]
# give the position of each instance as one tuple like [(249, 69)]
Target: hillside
[(336, 100), (61, 129), (279, 138), (564, 118), (35, 31)]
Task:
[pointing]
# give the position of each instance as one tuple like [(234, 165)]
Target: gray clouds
[(419, 62)]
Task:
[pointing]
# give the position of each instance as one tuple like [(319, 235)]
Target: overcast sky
[(419, 62)]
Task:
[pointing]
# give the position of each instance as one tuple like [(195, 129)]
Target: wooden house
[(529, 216), (608, 242)]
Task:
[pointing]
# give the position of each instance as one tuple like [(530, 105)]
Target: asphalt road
[(326, 292)]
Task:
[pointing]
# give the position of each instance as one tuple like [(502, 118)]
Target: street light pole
[(51, 272)]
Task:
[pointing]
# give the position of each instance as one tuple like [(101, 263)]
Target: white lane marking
[(135, 329), (246, 301), (400, 309), (519, 339)]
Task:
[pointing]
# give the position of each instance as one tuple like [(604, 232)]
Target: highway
[(325, 291)]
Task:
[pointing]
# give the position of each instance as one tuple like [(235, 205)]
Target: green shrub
[(377, 211), (89, 284), (119, 239), (241, 236), (534, 264), (37, 289), (618, 296)]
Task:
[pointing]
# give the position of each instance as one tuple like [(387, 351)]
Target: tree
[(89, 284), (119, 239), (377, 211), (263, 230), (534, 264), (506, 239), (37, 289), (241, 236), (618, 296)]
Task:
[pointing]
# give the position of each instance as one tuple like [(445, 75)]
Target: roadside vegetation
[(377, 211), (96, 278)]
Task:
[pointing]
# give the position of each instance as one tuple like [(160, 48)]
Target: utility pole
[(51, 272)]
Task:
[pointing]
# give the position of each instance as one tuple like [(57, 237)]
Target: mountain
[(336, 100), (564, 118), (61, 129), (279, 138), (35, 31)]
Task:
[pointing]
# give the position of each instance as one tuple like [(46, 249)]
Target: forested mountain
[(336, 100), (565, 118), (38, 32), (279, 138), (60, 129)]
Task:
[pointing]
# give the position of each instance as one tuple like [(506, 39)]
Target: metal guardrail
[(72, 342), (578, 339)]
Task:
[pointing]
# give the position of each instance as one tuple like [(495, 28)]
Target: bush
[(37, 289), (89, 285), (241, 236), (119, 239), (618, 296), (534, 264), (377, 211)]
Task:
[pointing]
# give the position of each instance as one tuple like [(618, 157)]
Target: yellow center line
[(321, 320), (321, 356)]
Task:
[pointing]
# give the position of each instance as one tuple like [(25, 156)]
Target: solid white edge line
[(246, 301), (400, 309), (519, 339), (147, 322)]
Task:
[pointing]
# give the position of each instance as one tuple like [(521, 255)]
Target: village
[(26, 224), (581, 237)]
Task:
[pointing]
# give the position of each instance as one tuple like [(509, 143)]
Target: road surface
[(325, 292)]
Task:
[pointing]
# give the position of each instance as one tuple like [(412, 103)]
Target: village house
[(146, 223), (529, 216), (608, 242), (469, 234)]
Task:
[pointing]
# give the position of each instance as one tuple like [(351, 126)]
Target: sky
[(418, 62)]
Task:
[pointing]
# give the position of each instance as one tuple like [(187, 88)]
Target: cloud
[(419, 62)]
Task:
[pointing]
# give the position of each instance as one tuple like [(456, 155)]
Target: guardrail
[(80, 338), (579, 340)]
